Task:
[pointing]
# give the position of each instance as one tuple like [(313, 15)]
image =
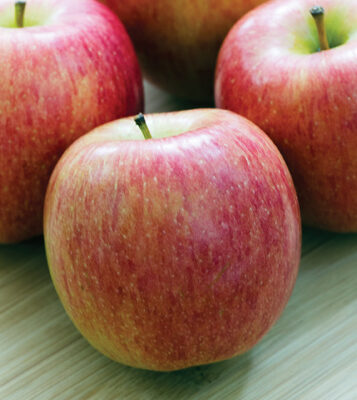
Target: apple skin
[(173, 252), (306, 102), (178, 41), (58, 81)]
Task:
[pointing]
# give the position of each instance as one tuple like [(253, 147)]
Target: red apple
[(270, 70), (174, 251), (70, 68), (178, 41)]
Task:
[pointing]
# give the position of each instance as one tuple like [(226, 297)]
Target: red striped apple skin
[(59, 80), (173, 252), (305, 100)]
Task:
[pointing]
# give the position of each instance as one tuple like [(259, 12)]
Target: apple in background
[(70, 68), (178, 41), (174, 251), (270, 70)]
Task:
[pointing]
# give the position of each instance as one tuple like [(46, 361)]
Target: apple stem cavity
[(318, 14), (19, 13), (141, 123)]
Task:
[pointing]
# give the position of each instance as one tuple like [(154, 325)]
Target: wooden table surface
[(310, 354)]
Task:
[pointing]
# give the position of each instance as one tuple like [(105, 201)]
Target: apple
[(178, 41), (70, 68), (273, 69), (178, 250)]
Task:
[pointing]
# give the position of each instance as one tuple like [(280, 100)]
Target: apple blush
[(66, 67), (291, 68), (176, 244)]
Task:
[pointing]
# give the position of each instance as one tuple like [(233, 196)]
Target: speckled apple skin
[(174, 252), (307, 103), (58, 82), (178, 41)]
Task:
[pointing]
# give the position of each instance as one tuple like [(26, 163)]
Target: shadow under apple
[(192, 383)]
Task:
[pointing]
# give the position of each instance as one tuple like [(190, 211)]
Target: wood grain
[(310, 354)]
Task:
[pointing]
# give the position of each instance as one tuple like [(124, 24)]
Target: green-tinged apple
[(178, 41), (178, 250), (297, 79), (66, 67)]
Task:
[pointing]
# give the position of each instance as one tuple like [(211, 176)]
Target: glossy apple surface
[(178, 41), (71, 68), (175, 251), (303, 98)]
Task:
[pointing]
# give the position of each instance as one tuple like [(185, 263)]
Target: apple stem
[(19, 13), (141, 123), (318, 14)]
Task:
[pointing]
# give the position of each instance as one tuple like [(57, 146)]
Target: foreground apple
[(178, 41), (270, 70), (173, 251), (70, 68)]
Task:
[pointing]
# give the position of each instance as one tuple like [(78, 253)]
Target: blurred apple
[(174, 251), (273, 69), (70, 68), (178, 41)]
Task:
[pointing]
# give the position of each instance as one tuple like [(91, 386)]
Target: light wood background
[(310, 354)]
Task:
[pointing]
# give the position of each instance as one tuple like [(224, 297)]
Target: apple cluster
[(174, 239)]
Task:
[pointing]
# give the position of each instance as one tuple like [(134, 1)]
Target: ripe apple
[(70, 68), (178, 41), (178, 250), (273, 70)]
